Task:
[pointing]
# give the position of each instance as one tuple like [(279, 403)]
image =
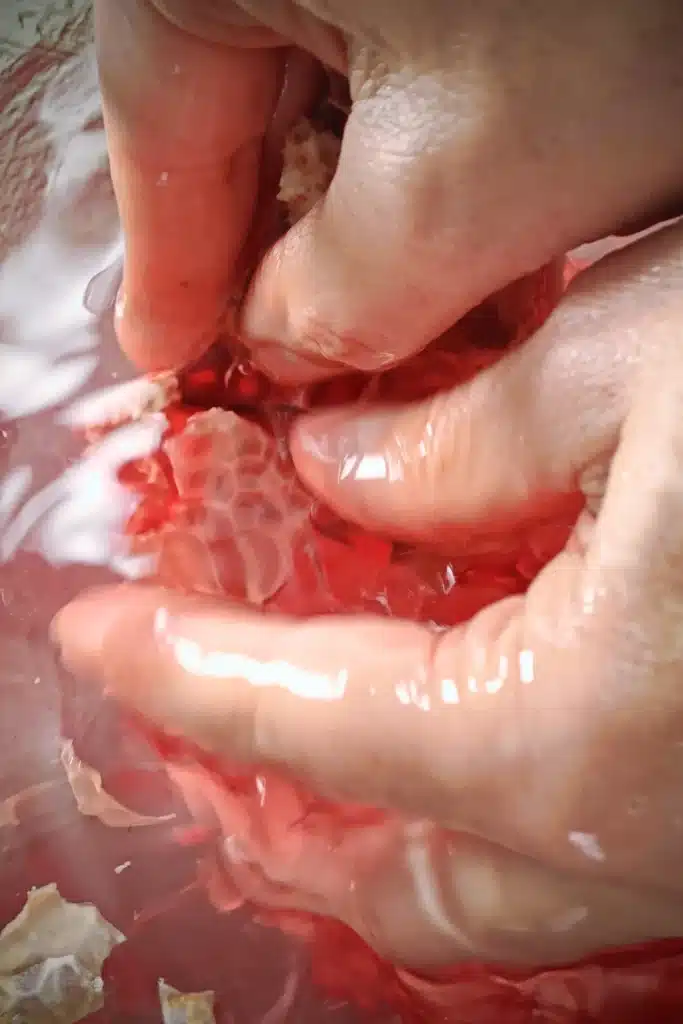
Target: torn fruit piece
[(51, 958), (220, 509), (10, 807), (124, 403), (92, 799), (310, 160), (241, 499), (185, 1007)]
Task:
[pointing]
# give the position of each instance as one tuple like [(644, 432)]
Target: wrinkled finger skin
[(474, 153), (485, 139), (535, 752)]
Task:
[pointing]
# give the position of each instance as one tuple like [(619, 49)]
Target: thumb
[(359, 281), (438, 199), (510, 443)]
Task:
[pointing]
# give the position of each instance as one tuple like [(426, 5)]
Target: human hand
[(485, 139), (536, 751)]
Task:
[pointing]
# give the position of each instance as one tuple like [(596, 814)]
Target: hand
[(485, 138), (545, 737)]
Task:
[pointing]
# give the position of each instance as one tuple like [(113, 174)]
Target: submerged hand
[(543, 740)]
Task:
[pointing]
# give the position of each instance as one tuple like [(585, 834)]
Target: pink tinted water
[(57, 247)]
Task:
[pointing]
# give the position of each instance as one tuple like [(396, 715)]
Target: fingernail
[(79, 630), (354, 447)]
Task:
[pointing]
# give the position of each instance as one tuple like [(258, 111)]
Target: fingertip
[(321, 444), (163, 334), (184, 228), (143, 645), (85, 629), (79, 630), (367, 465)]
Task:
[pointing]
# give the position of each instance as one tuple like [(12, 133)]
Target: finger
[(440, 897), (435, 730), (325, 296), (185, 123), (425, 898), (636, 559), (374, 711), (517, 440), (420, 224)]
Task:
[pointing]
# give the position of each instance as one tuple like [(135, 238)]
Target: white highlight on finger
[(419, 862)]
